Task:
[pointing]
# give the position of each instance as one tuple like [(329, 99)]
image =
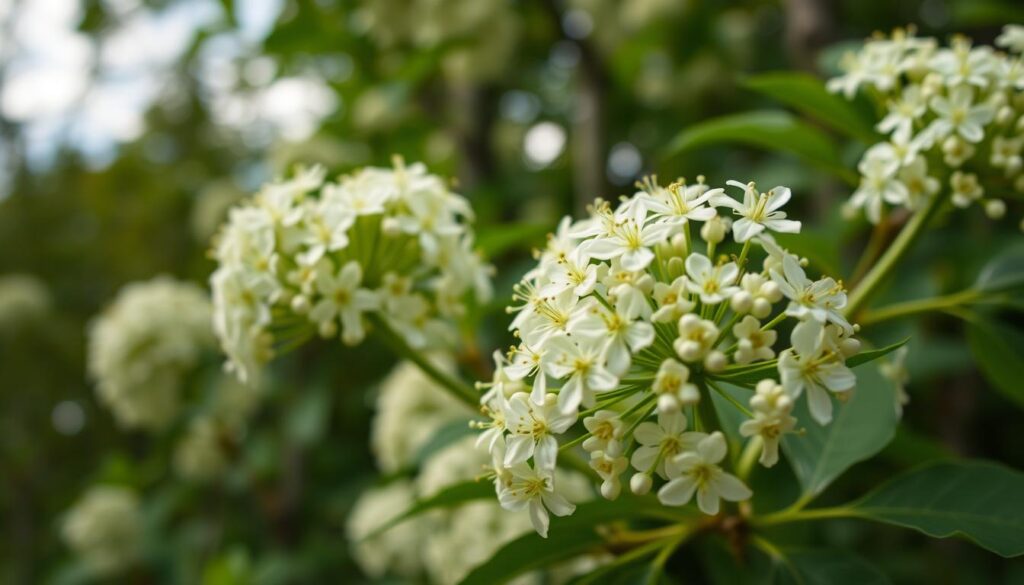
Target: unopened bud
[(640, 484)]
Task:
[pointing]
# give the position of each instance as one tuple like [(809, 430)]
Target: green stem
[(792, 515), (750, 454), (397, 343), (862, 293), (915, 307)]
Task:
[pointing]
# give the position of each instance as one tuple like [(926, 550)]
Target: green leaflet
[(807, 94)]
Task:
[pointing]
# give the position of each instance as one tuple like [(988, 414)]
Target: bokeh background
[(129, 127)]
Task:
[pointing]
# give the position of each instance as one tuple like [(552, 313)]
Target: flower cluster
[(143, 346), (105, 529), (627, 325), (304, 256), (443, 545), (954, 120)]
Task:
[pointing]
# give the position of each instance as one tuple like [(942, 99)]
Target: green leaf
[(495, 240), (452, 496), (807, 94), (567, 538), (871, 355), (770, 130), (819, 247), (998, 349), (1004, 272), (827, 567), (980, 500), (861, 427), (443, 437)]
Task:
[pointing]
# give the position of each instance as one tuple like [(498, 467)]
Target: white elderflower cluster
[(627, 324), (105, 529), (306, 257), (143, 346), (444, 545), (954, 121)]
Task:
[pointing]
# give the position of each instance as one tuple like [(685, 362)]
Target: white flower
[(714, 284), (698, 472), (342, 298), (1012, 38), (1006, 153), (920, 186), (662, 441), (533, 428), (582, 363), (672, 300), (878, 182), (605, 428), (533, 488), (821, 300), (809, 366), (609, 466), (966, 188), (696, 337), (958, 114), (679, 203), (903, 113), (105, 528), (895, 370), (751, 342), (621, 335), (673, 388), (772, 406), (630, 240), (961, 64), (759, 212), (762, 293)]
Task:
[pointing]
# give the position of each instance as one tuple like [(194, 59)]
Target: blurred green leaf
[(977, 499), (998, 349), (871, 355), (495, 240), (567, 538), (443, 437), (827, 567), (770, 130), (449, 497), (821, 249), (807, 94), (1003, 273), (307, 420), (861, 427)]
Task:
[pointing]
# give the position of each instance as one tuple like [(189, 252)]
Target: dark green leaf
[(450, 497), (567, 538), (980, 500), (443, 437), (827, 567), (807, 94), (1003, 273), (861, 427), (871, 355), (773, 131), (998, 349)]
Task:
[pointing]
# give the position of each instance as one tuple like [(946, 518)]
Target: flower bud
[(741, 302), (715, 361), (761, 308), (679, 245), (300, 304), (668, 404), (640, 484), (771, 291), (849, 347), (713, 230), (688, 350), (328, 329), (995, 208), (611, 488), (689, 395)]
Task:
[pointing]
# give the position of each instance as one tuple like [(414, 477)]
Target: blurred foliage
[(620, 81)]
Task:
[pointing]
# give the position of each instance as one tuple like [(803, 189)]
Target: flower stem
[(750, 454), (393, 340), (914, 307), (862, 293)]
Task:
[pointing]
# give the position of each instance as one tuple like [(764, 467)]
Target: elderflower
[(142, 347), (946, 108), (306, 257), (105, 529), (625, 327)]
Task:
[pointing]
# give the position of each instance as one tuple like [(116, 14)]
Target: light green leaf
[(998, 349), (1004, 272), (807, 94), (861, 427), (827, 567), (442, 437), (980, 500), (452, 496), (495, 240), (770, 130), (567, 538)]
